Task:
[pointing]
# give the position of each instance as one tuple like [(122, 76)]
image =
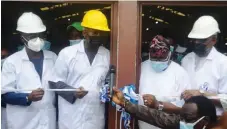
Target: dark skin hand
[(118, 97), (151, 101), (80, 94), (189, 93), (36, 95)]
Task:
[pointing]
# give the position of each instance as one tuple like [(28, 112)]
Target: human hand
[(81, 93), (150, 101), (187, 94), (36, 95), (118, 97)]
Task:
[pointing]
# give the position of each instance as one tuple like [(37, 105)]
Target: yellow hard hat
[(95, 19)]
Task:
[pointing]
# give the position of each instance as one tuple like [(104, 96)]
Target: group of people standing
[(29, 74), (190, 96)]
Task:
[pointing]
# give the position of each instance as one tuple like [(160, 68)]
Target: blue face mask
[(73, 42), (2, 61), (184, 125), (46, 45), (20, 47), (171, 48), (179, 57), (159, 66)]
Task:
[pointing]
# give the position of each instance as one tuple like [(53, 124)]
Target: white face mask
[(184, 125), (35, 44), (73, 42)]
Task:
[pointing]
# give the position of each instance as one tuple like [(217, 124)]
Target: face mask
[(35, 44), (95, 40), (46, 45), (2, 61), (184, 125), (201, 50), (73, 42), (158, 66), (20, 47), (179, 57), (171, 48)]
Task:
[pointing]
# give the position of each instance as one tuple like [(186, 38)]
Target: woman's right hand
[(118, 97)]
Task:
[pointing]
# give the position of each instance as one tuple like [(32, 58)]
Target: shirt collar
[(211, 54), (82, 48), (25, 55)]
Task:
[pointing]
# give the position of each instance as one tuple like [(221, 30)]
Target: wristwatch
[(160, 106), (27, 99), (126, 102)]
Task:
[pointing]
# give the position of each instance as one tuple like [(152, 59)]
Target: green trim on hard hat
[(76, 25)]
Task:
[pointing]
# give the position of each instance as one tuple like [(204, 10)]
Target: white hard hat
[(204, 27), (30, 23)]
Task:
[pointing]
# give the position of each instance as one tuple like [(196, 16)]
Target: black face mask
[(96, 40), (201, 50)]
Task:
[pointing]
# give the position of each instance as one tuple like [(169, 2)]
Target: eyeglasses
[(200, 41), (42, 35)]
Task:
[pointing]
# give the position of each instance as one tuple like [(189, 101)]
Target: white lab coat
[(3, 118), (3, 110), (167, 86), (223, 99), (73, 68), (210, 74), (19, 73)]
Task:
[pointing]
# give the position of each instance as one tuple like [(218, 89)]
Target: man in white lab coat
[(74, 33), (4, 55), (83, 66), (206, 66), (162, 81), (24, 76)]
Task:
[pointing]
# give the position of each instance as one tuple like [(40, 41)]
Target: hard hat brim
[(96, 28), (77, 26), (193, 35), (37, 30)]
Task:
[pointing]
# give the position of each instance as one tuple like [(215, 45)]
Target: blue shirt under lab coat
[(20, 98)]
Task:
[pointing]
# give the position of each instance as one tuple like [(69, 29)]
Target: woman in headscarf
[(162, 81)]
